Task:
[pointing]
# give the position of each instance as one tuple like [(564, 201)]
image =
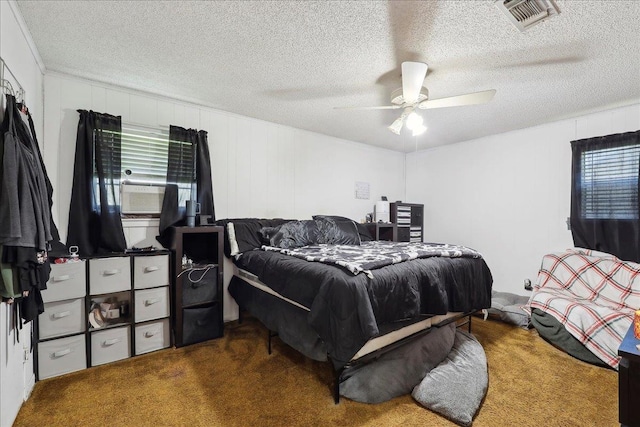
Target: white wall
[(259, 169), (16, 374), (507, 195)]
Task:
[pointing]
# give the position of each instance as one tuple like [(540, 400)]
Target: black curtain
[(188, 178), (605, 212), (95, 225), (181, 177), (203, 176)]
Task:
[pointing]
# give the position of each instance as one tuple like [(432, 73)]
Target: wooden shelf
[(409, 217), (383, 231), (201, 318), (629, 380)]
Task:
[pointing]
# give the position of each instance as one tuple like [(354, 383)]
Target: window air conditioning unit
[(141, 199), (527, 13)]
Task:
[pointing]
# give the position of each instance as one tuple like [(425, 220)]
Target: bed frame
[(374, 348)]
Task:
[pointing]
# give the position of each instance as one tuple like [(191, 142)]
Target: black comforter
[(345, 310)]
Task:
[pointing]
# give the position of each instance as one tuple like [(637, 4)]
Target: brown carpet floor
[(232, 381)]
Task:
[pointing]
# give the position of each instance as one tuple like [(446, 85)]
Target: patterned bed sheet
[(376, 254)]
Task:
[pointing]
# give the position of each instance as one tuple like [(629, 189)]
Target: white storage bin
[(152, 336), (61, 318), (110, 345), (109, 275), (150, 271), (152, 304), (57, 357), (66, 281)]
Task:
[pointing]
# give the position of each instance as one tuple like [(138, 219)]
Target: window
[(608, 183), (142, 168), (604, 194), (144, 155)]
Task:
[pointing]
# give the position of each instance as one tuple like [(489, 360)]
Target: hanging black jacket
[(25, 213), (26, 196)]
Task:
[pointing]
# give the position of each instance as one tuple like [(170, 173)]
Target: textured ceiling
[(291, 62)]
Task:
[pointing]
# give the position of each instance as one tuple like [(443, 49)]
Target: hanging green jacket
[(9, 283)]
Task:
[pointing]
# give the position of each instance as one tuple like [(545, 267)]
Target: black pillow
[(243, 234), (365, 234), (336, 230), (293, 234), (363, 231)]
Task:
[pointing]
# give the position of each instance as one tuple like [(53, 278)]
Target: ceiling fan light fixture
[(414, 120), (419, 130), (397, 97), (414, 96), (396, 126)]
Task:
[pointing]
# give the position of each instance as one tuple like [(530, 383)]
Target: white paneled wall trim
[(507, 195), (26, 34), (259, 169), (16, 362)]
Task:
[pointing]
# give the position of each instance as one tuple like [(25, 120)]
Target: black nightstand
[(629, 380), (383, 231), (197, 297)]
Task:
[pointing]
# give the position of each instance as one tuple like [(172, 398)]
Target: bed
[(328, 307), (584, 302)]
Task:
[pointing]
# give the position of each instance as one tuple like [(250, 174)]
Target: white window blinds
[(609, 183), (142, 158), (144, 154)]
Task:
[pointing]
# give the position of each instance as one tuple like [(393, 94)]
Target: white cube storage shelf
[(152, 336), (67, 342), (62, 318), (152, 304), (66, 281), (61, 356), (150, 271), (110, 345), (109, 275)]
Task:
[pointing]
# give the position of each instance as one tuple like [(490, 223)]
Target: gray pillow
[(456, 387), (397, 372), (243, 234), (363, 230), (337, 231), (293, 234), (509, 307)]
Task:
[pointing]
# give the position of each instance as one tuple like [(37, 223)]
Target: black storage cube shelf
[(200, 324), (200, 286), (197, 290)]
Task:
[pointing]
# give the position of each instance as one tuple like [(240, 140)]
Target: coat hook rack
[(7, 86)]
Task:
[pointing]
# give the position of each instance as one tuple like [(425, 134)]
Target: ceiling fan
[(413, 95)]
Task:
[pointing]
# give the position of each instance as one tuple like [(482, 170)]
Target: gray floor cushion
[(508, 307), (396, 373), (456, 387)]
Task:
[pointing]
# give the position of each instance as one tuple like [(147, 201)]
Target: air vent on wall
[(526, 13)]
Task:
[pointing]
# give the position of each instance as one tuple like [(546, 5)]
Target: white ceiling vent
[(526, 13)]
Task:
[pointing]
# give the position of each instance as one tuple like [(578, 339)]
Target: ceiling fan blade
[(383, 107), (413, 74), (455, 101)]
